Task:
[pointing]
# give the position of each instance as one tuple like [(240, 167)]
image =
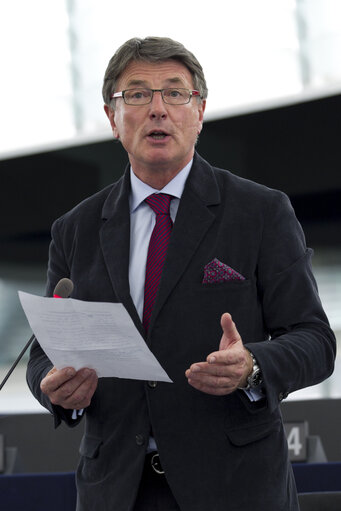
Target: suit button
[(152, 384), (139, 439)]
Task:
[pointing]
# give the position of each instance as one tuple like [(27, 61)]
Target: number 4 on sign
[(297, 434), (294, 443)]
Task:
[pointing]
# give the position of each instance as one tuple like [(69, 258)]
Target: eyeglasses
[(139, 97)]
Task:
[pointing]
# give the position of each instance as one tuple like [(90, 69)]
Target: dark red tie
[(159, 202)]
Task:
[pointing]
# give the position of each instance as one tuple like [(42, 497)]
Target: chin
[(160, 157)]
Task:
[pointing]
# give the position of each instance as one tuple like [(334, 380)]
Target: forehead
[(155, 75)]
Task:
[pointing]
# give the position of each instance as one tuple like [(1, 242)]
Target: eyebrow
[(143, 83)]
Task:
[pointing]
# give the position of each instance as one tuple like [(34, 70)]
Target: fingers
[(69, 388), (230, 333), (226, 369), (217, 378), (228, 356), (55, 378), (215, 386), (220, 378)]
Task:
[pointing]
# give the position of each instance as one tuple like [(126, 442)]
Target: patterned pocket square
[(216, 271)]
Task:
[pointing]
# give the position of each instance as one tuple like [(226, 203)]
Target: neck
[(158, 176), (157, 180)]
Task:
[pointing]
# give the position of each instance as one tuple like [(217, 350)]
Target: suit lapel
[(115, 243), (192, 222)]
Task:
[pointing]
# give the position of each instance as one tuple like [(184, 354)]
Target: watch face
[(255, 379)]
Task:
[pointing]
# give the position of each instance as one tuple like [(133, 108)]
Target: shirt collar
[(140, 190)]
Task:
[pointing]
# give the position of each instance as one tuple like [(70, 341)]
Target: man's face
[(157, 136)]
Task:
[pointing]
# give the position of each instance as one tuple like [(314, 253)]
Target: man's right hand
[(69, 388)]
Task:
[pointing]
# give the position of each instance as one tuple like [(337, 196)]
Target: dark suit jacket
[(219, 453)]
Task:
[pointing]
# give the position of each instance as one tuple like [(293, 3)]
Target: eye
[(174, 93), (136, 94)]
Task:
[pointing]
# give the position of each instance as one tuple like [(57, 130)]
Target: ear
[(111, 116), (201, 110)]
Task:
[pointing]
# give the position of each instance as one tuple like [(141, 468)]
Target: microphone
[(63, 289)]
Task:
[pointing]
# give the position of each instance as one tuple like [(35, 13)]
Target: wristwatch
[(255, 378)]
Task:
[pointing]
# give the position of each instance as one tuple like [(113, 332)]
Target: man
[(236, 321)]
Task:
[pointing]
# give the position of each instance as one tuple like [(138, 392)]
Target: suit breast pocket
[(232, 285), (239, 298)]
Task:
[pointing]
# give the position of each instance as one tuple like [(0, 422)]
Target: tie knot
[(159, 202)]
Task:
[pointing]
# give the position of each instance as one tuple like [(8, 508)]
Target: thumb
[(230, 333)]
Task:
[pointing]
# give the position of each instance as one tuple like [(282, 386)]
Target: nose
[(157, 107)]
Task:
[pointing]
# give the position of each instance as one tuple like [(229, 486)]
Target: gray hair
[(151, 49)]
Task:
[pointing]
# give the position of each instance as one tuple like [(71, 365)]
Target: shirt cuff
[(254, 394), (77, 413)]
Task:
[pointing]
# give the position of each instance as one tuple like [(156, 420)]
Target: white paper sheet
[(97, 335)]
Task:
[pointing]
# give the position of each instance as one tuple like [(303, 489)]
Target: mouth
[(158, 135)]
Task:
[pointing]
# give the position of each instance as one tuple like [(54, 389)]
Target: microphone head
[(64, 288)]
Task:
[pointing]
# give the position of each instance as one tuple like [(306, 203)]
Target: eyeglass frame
[(120, 94)]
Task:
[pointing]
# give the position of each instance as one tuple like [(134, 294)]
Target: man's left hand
[(225, 370)]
